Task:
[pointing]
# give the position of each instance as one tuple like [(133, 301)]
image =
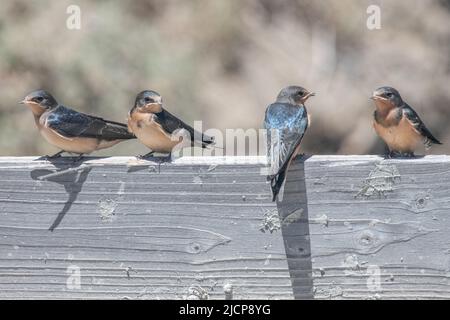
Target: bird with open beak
[(72, 131), (398, 124), (286, 121), (158, 129)]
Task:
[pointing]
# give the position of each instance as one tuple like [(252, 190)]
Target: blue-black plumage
[(70, 130), (286, 121)]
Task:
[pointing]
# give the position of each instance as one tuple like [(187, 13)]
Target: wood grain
[(137, 229), (347, 227), (398, 231)]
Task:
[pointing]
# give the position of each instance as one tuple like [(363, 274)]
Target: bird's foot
[(79, 158), (159, 158), (168, 158), (301, 156), (145, 156), (388, 155), (398, 154), (54, 156), (165, 158)]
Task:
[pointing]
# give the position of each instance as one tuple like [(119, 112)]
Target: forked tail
[(276, 183)]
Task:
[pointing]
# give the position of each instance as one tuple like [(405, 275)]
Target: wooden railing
[(347, 227)]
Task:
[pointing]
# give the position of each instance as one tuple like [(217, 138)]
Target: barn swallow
[(398, 124), (154, 126), (73, 131), (286, 122)]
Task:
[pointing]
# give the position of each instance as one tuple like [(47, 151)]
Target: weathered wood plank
[(137, 230), (369, 217), (351, 227)]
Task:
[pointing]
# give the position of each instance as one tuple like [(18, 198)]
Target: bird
[(70, 130), (157, 128), (286, 121), (398, 124)]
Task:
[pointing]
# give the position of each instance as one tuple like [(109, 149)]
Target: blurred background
[(224, 61)]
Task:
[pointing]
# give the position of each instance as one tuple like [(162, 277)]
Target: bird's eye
[(301, 93), (38, 99), (148, 100), (389, 95)]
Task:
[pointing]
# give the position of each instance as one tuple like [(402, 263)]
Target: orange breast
[(150, 133), (402, 137)]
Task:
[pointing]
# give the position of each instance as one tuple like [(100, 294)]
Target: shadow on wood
[(70, 175), (293, 212), (352, 227)]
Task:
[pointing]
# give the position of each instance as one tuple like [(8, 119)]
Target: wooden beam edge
[(335, 160)]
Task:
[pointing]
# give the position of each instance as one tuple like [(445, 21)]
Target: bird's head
[(148, 101), (39, 101), (294, 95), (387, 96)]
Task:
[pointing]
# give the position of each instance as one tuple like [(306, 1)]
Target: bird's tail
[(428, 138), (429, 141), (116, 131), (276, 183), (207, 141), (201, 139)]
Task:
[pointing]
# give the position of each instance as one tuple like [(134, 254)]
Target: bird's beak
[(376, 97), (150, 107), (22, 102), (311, 94)]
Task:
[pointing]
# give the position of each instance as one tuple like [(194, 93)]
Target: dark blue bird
[(73, 131), (286, 121)]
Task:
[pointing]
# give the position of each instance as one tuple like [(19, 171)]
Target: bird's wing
[(70, 123), (286, 124), (418, 125), (171, 123)]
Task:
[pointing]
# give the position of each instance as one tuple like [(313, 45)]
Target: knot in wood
[(366, 239), (421, 201), (194, 247)]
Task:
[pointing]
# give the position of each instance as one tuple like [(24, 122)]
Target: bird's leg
[(393, 154), (56, 155), (168, 158), (399, 154), (164, 158), (80, 156), (145, 155), (161, 160)]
